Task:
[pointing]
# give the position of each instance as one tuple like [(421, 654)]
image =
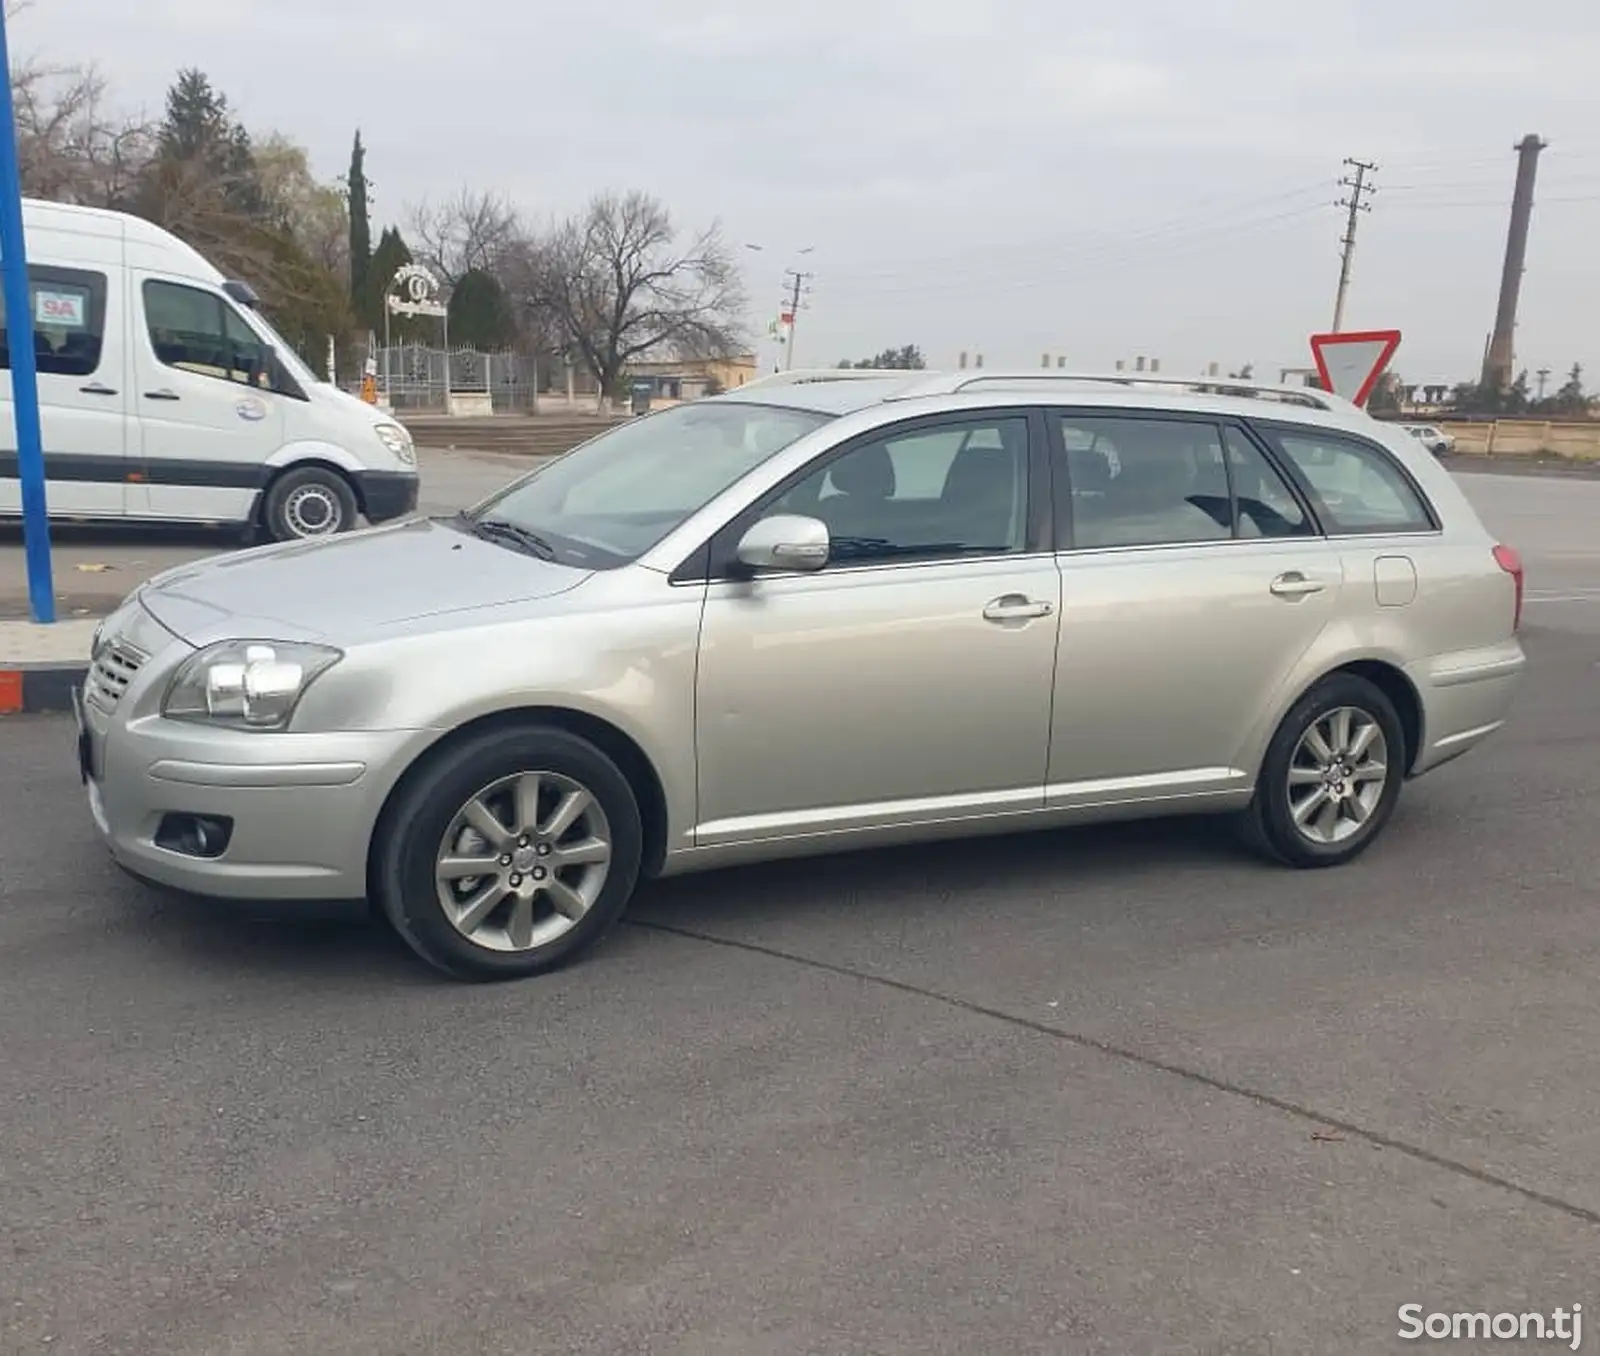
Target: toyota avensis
[(817, 613)]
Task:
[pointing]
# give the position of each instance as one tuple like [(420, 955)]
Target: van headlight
[(398, 441), (246, 684)]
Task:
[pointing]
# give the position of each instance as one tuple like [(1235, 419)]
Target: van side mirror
[(785, 541)]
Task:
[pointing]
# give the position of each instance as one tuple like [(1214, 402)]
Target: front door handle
[(1296, 585), (98, 388), (1015, 607), (162, 394)]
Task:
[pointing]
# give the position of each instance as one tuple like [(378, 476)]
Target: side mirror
[(785, 541)]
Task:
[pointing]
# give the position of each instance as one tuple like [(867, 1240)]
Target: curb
[(37, 689)]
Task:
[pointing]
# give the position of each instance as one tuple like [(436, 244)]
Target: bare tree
[(314, 213), (469, 231), (619, 286), (70, 147)]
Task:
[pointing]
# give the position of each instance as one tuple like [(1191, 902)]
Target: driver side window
[(935, 492), (197, 331)]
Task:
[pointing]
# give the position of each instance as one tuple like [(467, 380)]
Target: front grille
[(110, 672)]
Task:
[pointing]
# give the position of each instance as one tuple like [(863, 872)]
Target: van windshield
[(611, 499), (286, 354)]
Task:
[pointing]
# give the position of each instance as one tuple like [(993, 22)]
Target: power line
[(1051, 251), (1359, 188)]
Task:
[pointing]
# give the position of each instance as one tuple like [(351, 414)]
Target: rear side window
[(1168, 482), (1357, 487), (69, 321), (1142, 482)]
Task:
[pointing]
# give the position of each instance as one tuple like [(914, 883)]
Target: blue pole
[(24, 370)]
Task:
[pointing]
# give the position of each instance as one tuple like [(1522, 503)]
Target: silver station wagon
[(826, 611)]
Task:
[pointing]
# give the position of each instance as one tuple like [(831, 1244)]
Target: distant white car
[(1435, 439)]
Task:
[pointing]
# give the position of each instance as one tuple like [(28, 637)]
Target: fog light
[(195, 835)]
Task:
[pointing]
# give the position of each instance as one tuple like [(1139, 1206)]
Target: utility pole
[(798, 281), (1502, 355), (1360, 189)]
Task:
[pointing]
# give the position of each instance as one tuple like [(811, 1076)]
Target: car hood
[(345, 587)]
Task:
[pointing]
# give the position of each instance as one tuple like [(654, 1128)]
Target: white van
[(166, 396)]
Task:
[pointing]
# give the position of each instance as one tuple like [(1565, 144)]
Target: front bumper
[(302, 808), (386, 495)]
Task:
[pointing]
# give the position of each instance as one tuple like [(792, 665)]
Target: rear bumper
[(386, 495), (1465, 698)]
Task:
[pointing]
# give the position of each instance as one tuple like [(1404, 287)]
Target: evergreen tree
[(198, 131), (391, 255), (480, 312), (360, 225), (1571, 399)]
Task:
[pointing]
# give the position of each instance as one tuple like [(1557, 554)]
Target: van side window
[(69, 321), (197, 331)]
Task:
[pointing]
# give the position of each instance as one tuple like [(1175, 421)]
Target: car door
[(80, 355), (1194, 578), (208, 418), (908, 680)]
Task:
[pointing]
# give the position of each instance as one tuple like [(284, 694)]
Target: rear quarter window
[(1356, 486)]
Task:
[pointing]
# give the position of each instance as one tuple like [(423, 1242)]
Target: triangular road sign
[(1351, 363)]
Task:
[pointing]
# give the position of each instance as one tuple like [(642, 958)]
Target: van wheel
[(1331, 776), (510, 854), (309, 501)]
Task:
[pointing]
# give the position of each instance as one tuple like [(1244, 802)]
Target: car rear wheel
[(1331, 776), (509, 854)]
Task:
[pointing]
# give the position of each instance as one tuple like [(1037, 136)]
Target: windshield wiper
[(500, 529)]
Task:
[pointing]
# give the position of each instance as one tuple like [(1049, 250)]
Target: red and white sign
[(59, 310), (1351, 363)]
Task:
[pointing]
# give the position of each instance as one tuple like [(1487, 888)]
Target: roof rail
[(804, 375), (952, 383)]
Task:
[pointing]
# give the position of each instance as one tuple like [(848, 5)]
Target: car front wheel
[(509, 854), (309, 501), (1331, 776)]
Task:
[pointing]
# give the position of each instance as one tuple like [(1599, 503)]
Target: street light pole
[(24, 366)]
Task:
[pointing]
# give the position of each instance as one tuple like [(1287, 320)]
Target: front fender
[(319, 449)]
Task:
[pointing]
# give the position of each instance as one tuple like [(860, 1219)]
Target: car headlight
[(246, 684), (398, 441)]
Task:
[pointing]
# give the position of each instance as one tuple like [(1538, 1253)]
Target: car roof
[(848, 391), (826, 394)]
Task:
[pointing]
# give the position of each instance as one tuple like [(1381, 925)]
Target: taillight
[(1507, 559)]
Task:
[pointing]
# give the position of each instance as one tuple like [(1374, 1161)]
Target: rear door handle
[(1015, 607), (98, 388), (1296, 585), (161, 395)]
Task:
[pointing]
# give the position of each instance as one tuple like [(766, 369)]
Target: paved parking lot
[(1116, 1091)]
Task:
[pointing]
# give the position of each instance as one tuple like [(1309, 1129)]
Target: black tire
[(1268, 825), (306, 497), (413, 832)]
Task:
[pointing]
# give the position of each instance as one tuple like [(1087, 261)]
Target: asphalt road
[(1112, 1092), (96, 567)]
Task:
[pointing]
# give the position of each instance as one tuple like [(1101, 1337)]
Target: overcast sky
[(1004, 176)]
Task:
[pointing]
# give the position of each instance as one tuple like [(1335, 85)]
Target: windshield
[(609, 501), (286, 354)]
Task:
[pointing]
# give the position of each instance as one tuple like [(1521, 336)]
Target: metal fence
[(418, 378)]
